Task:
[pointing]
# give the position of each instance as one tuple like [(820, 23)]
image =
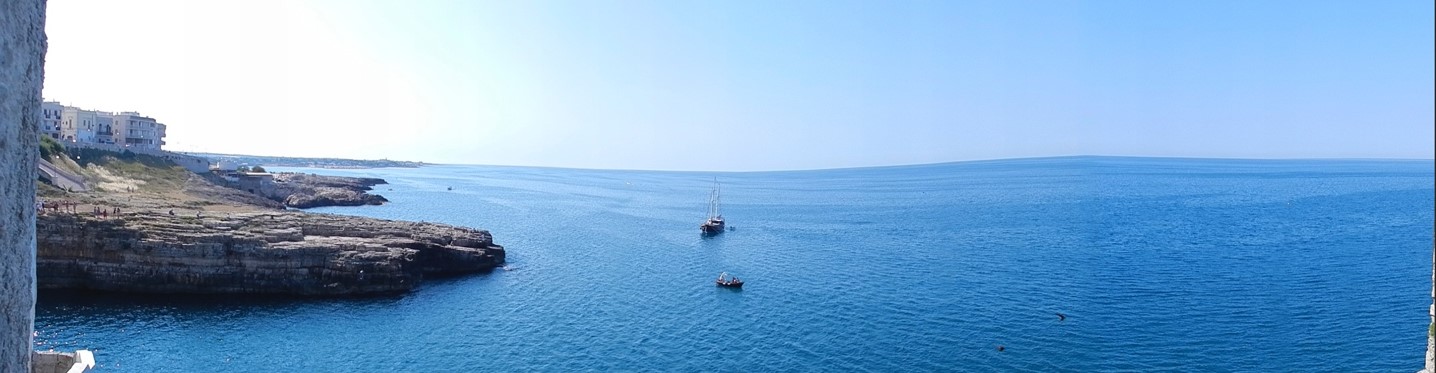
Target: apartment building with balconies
[(50, 119), (125, 129)]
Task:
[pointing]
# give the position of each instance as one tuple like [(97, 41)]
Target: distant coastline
[(340, 163), (333, 163)]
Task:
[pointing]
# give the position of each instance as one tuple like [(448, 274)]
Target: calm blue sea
[(1160, 264)]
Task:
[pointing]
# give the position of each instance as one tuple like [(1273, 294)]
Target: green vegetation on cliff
[(49, 148)]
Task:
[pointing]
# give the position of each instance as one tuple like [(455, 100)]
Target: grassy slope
[(117, 170), (144, 182)]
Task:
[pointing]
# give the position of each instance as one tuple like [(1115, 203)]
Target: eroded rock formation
[(253, 253), (22, 68), (308, 190)]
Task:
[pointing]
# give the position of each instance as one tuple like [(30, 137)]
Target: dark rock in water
[(308, 190), (253, 253), (327, 196)]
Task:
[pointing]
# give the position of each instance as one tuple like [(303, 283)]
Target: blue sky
[(758, 85)]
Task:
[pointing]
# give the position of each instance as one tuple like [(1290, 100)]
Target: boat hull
[(712, 227)]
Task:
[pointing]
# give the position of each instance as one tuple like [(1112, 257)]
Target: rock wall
[(1430, 366), (22, 64), (52, 362), (62, 362), (192, 163), (254, 253)]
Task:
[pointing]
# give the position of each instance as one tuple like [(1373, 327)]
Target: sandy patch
[(114, 183)]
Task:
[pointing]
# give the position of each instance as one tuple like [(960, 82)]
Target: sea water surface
[(1159, 265)]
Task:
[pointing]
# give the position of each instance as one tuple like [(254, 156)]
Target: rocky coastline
[(148, 225), (302, 191), (275, 252)]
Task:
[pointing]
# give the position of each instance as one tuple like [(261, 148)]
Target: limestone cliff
[(22, 69), (253, 253)]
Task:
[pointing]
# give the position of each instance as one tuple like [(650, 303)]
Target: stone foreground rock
[(22, 69), (253, 253)]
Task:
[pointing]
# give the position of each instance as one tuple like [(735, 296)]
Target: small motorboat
[(727, 281)]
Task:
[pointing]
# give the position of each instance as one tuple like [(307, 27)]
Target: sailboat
[(714, 224)]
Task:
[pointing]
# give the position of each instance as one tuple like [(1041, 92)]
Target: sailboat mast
[(717, 198)]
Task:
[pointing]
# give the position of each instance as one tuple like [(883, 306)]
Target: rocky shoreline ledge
[(261, 252), (300, 190)]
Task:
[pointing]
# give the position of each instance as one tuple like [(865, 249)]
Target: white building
[(137, 131), (226, 165), (127, 129), (78, 125), (50, 119)]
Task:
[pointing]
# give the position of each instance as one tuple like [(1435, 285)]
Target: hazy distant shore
[(334, 163)]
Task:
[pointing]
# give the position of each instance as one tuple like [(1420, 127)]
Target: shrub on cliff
[(49, 148)]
